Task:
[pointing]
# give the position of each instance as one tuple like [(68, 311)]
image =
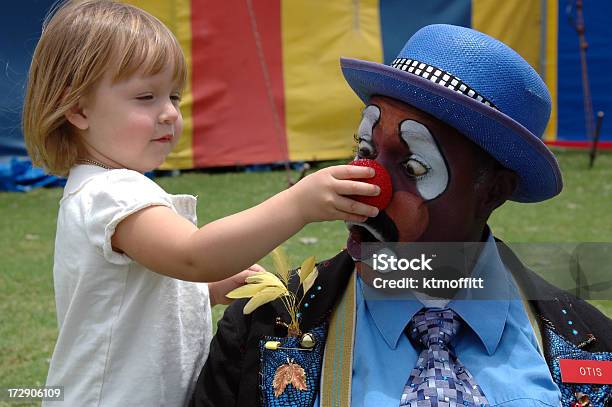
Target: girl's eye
[(145, 97), (415, 168), (175, 98)]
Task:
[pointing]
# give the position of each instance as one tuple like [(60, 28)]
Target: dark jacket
[(232, 372)]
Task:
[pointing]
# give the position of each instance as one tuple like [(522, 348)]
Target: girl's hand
[(323, 195), (217, 290)]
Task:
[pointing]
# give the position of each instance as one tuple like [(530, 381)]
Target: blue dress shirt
[(498, 346)]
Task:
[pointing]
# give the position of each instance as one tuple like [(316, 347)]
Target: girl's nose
[(170, 113)]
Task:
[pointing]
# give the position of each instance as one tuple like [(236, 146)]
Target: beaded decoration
[(560, 348), (284, 360)]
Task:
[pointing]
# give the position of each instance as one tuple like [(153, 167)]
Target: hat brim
[(505, 139)]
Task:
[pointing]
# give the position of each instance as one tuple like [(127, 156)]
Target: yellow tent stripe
[(319, 105), (520, 24), (516, 23), (176, 15), (552, 16)]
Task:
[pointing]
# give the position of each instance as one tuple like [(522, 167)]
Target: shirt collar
[(78, 175), (392, 316)]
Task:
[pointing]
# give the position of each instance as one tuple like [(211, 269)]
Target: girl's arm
[(168, 244)]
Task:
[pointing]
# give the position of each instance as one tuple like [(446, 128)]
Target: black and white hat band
[(440, 77)]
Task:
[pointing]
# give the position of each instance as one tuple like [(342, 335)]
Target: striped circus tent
[(265, 84)]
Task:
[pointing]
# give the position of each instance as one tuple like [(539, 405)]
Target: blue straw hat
[(479, 86)]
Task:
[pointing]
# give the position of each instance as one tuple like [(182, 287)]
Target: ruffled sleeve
[(110, 198)]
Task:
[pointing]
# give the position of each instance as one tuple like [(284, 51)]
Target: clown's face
[(434, 172)]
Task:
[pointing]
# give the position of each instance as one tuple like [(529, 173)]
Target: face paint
[(406, 217), (369, 118), (433, 169), (425, 163)]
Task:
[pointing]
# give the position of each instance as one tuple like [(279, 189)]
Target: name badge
[(585, 371)]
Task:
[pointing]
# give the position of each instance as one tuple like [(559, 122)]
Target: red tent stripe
[(238, 106)]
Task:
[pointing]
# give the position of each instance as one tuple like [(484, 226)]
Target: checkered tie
[(439, 379)]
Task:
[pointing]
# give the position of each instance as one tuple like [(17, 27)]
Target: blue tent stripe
[(21, 26), (571, 121), (400, 19)]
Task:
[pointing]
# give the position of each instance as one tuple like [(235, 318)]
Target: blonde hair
[(80, 42)]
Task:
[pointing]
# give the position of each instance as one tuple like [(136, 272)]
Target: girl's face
[(133, 123)]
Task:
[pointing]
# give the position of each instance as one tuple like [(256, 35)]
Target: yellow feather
[(281, 264), (245, 291), (306, 269), (264, 296), (309, 281), (265, 278)]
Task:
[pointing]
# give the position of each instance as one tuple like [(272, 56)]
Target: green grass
[(28, 325)]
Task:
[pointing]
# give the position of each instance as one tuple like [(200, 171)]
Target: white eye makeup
[(426, 164), (369, 118)]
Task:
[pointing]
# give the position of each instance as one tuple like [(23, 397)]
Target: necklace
[(93, 162)]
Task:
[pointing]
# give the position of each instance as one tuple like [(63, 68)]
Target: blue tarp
[(21, 24), (18, 175)]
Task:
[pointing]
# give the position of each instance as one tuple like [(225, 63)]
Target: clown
[(456, 121)]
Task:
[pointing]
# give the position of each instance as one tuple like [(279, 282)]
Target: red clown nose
[(381, 178)]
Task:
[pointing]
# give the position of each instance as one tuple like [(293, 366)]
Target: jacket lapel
[(315, 311), (571, 329), (338, 358)]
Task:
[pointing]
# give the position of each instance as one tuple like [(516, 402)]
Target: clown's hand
[(218, 289)]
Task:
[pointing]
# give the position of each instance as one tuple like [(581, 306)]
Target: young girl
[(102, 106)]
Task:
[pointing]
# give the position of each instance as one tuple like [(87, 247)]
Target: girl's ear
[(76, 115)]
